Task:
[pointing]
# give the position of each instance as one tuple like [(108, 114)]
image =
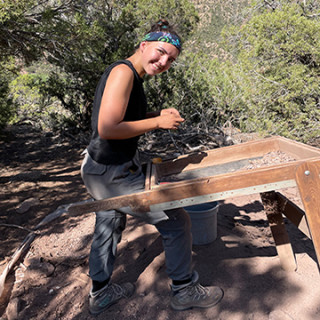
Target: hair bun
[(163, 24)]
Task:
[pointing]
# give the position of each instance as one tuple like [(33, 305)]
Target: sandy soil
[(39, 172)]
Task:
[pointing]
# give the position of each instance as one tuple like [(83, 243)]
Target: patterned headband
[(164, 37)]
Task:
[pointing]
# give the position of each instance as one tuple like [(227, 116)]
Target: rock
[(39, 269), (279, 315), (13, 309), (27, 204)]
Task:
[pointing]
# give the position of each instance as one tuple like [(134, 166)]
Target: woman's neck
[(135, 59)]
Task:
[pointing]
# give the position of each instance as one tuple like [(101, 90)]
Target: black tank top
[(117, 151)]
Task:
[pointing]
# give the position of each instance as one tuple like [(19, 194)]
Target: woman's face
[(157, 56)]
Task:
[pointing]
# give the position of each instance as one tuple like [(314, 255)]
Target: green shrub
[(7, 105), (278, 58)]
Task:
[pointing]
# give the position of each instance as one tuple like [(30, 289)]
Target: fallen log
[(18, 253)]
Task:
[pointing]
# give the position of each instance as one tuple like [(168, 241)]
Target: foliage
[(42, 110), (278, 58), (80, 38), (261, 73), (7, 106), (16, 36), (214, 16)]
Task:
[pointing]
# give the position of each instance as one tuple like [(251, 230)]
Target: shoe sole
[(188, 307), (95, 313)]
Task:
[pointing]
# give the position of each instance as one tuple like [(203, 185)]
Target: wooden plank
[(278, 230), (216, 196), (297, 149), (225, 182), (308, 182), (197, 187), (237, 152), (293, 213)]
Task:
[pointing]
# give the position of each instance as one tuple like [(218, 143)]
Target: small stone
[(13, 309), (27, 204), (39, 269), (279, 315)]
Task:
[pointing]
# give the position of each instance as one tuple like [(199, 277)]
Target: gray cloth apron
[(107, 181)]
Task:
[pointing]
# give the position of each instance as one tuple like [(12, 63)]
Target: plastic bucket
[(204, 222)]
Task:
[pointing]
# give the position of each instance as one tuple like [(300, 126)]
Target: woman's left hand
[(170, 111)]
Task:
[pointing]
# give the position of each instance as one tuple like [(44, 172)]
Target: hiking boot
[(194, 295), (109, 295)]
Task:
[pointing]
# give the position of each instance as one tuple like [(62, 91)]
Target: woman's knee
[(179, 220), (108, 222)]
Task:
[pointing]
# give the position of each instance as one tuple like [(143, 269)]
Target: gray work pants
[(105, 181)]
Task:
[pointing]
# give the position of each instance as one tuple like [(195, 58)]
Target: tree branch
[(14, 226)]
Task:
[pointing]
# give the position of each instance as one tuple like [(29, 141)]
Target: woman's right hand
[(169, 120)]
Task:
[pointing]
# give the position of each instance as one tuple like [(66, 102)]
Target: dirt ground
[(39, 173)]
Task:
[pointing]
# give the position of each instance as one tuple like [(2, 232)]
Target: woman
[(111, 168)]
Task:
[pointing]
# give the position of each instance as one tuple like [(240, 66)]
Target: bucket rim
[(198, 209)]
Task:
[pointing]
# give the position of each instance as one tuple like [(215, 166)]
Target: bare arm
[(114, 105)]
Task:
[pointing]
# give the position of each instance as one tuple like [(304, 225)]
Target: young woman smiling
[(111, 167)]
